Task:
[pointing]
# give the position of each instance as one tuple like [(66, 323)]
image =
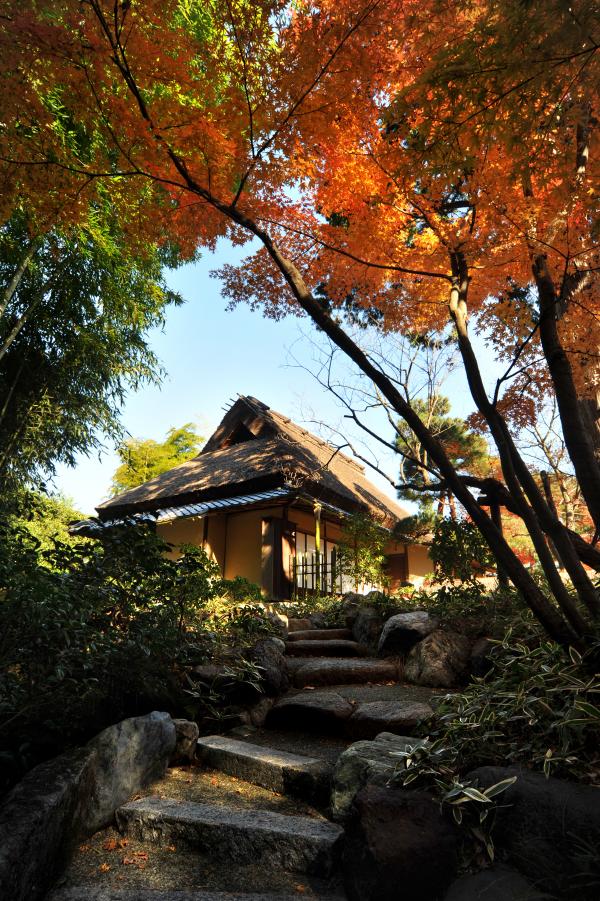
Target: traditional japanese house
[(267, 500)]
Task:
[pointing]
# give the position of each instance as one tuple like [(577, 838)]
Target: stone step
[(299, 624), (313, 711), (279, 771), (296, 844), (333, 671), (90, 892), (330, 648), (332, 713), (397, 717), (320, 634)]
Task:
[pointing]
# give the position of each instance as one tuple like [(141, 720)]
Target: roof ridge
[(259, 407), (335, 451)]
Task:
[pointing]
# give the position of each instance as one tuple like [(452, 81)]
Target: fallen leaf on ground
[(131, 862), (300, 888), (84, 848), (104, 867), (110, 844), (171, 848)]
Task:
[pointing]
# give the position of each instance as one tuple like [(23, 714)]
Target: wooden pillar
[(317, 547)]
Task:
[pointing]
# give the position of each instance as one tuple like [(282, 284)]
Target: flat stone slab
[(89, 892), (296, 844), (320, 634), (279, 771), (309, 744), (315, 711), (398, 717), (335, 647), (299, 624), (331, 671)]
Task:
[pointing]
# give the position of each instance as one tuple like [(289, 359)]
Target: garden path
[(250, 823)]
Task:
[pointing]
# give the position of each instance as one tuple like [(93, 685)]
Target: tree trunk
[(578, 439), (496, 514), (12, 286), (517, 476), (589, 410), (545, 612)]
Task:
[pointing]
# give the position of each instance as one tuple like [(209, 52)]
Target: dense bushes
[(535, 708), (97, 630)]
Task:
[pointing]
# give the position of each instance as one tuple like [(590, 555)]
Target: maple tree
[(436, 162)]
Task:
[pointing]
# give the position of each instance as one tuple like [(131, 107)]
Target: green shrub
[(459, 551), (97, 630), (536, 708), (240, 589), (361, 552), (470, 608)]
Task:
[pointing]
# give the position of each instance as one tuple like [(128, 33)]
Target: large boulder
[(351, 604), (366, 762), (269, 655), (128, 756), (402, 631), (399, 845), (549, 829), (187, 734), (441, 660), (38, 822), (498, 883), (367, 626), (399, 716), (74, 795)]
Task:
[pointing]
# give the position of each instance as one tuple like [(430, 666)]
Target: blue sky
[(210, 356)]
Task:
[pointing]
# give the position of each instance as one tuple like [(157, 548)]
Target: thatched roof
[(255, 448)]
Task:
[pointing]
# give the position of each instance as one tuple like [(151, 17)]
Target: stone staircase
[(250, 824)]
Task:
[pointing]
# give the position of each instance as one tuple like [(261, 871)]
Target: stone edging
[(68, 798)]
